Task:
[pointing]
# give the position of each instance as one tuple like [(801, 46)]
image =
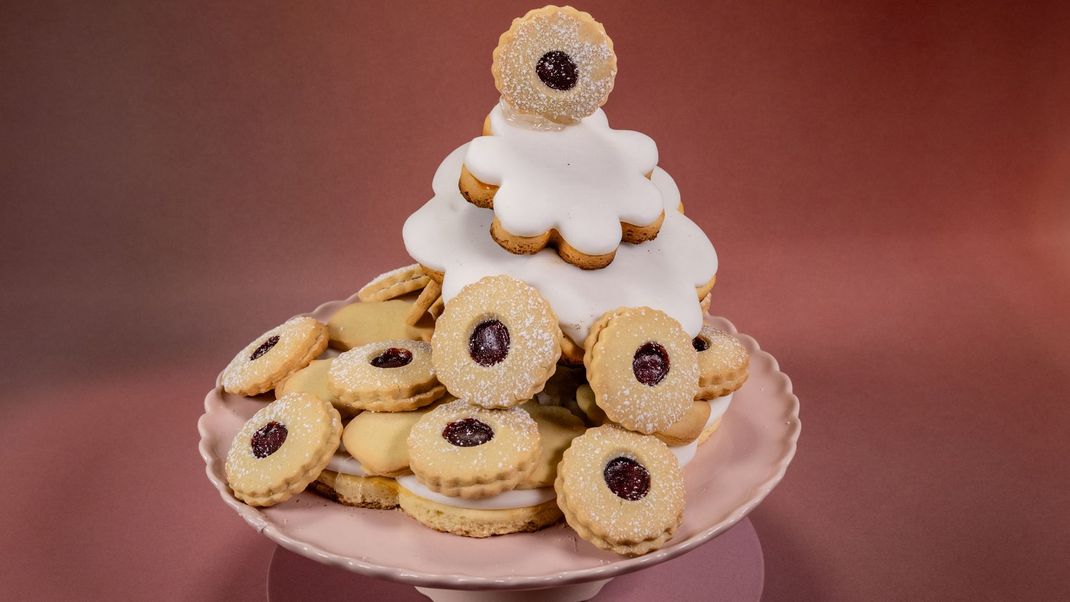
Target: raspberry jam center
[(700, 344), (392, 358), (268, 439), (489, 343), (467, 433), (650, 363), (264, 347), (627, 479), (557, 70)]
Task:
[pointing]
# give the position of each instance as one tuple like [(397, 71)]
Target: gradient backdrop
[(887, 184)]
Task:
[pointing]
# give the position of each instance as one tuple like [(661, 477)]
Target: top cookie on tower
[(556, 62), (548, 163)]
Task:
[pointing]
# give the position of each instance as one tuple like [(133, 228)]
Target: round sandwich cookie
[(723, 363), (388, 376), (462, 450), (620, 490), (642, 368), (497, 343), (274, 356), (556, 63), (394, 284), (282, 448)]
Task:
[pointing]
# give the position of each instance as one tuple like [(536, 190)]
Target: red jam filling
[(268, 439), (650, 363), (392, 358), (489, 343), (467, 433), (264, 347), (700, 344), (627, 479), (557, 70)]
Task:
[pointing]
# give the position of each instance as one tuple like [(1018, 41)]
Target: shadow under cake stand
[(728, 477)]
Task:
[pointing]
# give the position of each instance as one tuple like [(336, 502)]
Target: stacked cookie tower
[(545, 357)]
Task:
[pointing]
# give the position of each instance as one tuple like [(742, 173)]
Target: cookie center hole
[(489, 343), (650, 363), (264, 347), (627, 479), (268, 439), (700, 343), (392, 358), (467, 433), (557, 70)]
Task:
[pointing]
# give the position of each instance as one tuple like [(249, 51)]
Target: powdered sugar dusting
[(535, 343), (352, 372), (504, 459), (555, 29), (581, 485)]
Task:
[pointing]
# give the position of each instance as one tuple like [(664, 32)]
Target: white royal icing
[(583, 180), (450, 235), (685, 453), (517, 498), (346, 464)]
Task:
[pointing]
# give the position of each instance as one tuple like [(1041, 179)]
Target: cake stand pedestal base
[(728, 567)]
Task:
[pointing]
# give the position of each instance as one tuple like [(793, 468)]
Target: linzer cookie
[(462, 450), (282, 449), (393, 284), (555, 62), (642, 368), (621, 491), (722, 360), (388, 376), (274, 356), (497, 343)]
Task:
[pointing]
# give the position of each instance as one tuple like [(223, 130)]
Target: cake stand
[(728, 477)]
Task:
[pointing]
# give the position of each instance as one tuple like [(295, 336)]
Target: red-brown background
[(886, 184)]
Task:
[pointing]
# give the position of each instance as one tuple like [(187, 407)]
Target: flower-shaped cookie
[(582, 189)]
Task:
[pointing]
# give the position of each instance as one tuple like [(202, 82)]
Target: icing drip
[(450, 235), (344, 463), (583, 180), (516, 498)]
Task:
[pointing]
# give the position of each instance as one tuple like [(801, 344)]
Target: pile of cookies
[(546, 358)]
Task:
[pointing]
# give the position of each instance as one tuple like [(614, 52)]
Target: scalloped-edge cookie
[(642, 368), (620, 490), (497, 343), (388, 376), (462, 450), (282, 448), (267, 361)]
